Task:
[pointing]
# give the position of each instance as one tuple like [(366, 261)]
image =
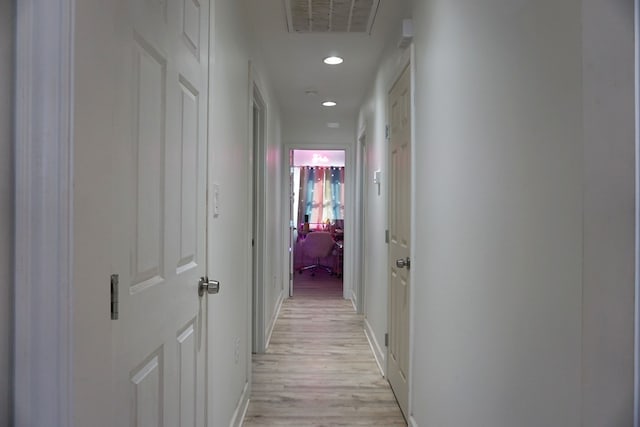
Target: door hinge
[(386, 235), (386, 339), (290, 276), (387, 132), (115, 280), (253, 243)]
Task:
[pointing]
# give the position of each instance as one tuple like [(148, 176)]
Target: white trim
[(289, 18), (241, 408), (349, 218), (256, 95), (350, 180), (274, 318), (288, 259), (412, 422), (360, 223), (405, 58), (414, 215), (636, 403), (44, 222), (378, 354)]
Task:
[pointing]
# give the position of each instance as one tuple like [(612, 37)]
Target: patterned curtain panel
[(321, 194)]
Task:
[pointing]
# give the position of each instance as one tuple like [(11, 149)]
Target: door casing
[(636, 403), (258, 116), (361, 211), (44, 225), (350, 233)]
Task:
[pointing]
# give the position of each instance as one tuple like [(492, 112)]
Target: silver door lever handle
[(211, 287), (403, 263)]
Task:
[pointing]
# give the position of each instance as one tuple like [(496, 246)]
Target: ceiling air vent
[(331, 16)]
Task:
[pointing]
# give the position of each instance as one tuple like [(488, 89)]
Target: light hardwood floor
[(319, 369)]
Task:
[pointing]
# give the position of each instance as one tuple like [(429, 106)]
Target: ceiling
[(293, 62)]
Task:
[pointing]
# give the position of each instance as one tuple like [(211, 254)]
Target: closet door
[(400, 238), (159, 338)]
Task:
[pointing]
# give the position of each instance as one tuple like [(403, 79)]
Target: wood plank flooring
[(319, 369)]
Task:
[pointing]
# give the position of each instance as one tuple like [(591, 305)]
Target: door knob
[(403, 263), (211, 287)]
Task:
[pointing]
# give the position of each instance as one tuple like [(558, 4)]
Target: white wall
[(498, 238), (277, 285), (230, 162), (304, 132), (524, 213), (6, 207), (94, 135), (372, 120), (229, 167), (300, 129), (609, 194), (275, 277)]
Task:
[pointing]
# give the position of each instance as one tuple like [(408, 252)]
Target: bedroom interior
[(318, 207)]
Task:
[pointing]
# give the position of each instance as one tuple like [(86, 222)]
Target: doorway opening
[(317, 218), (258, 120)]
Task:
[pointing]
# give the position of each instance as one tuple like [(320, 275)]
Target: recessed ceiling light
[(329, 104), (333, 125), (333, 60)]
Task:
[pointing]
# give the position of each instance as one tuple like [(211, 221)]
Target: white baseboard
[(378, 354), (354, 301), (412, 422), (272, 323), (241, 408)]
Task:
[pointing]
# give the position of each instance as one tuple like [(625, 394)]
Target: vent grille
[(331, 16)]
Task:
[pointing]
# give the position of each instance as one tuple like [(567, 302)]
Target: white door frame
[(44, 105), (350, 184), (414, 215), (258, 160), (361, 188), (636, 403)]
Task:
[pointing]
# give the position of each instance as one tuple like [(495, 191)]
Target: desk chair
[(316, 245)]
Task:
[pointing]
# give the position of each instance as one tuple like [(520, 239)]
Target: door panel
[(159, 340), (190, 105), (191, 24), (148, 149), (399, 237), (187, 374), (147, 402)]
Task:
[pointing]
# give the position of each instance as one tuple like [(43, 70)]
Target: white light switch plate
[(377, 176)]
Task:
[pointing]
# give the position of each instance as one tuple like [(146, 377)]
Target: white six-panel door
[(159, 339), (399, 237)]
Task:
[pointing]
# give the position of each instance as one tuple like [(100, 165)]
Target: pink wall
[(318, 157)]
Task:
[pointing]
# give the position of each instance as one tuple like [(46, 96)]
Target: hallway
[(146, 225), (318, 369)]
